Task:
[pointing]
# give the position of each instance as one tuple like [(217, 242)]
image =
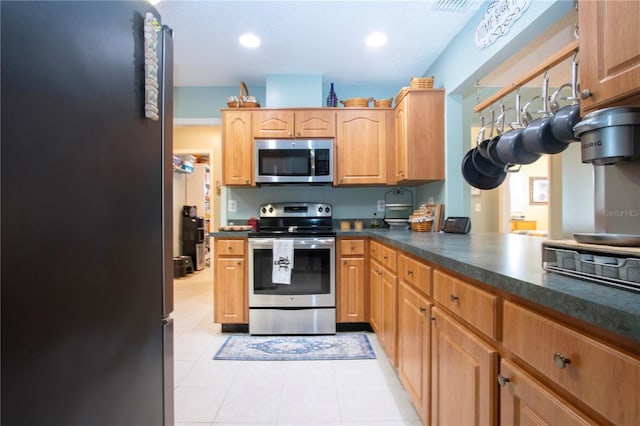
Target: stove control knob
[(264, 210), (270, 209), (326, 209), (320, 209)]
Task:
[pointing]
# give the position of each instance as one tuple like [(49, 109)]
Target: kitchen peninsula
[(476, 316)]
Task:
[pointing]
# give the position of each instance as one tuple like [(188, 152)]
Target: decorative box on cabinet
[(351, 281), (609, 53), (237, 148), (230, 304), (419, 138)]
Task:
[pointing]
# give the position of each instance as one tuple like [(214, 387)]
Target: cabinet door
[(604, 378), (375, 293), (273, 124), (389, 297), (237, 148), (401, 142), (463, 375), (230, 291), (414, 336), (315, 123), (609, 51), (361, 146), (524, 401), (351, 306), (419, 144)]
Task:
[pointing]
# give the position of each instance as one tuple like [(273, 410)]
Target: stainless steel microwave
[(293, 161)]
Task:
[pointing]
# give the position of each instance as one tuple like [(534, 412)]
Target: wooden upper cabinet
[(609, 52), (315, 124), (312, 123), (361, 147), (419, 137), (237, 148)]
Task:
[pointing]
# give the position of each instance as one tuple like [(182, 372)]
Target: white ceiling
[(309, 37)]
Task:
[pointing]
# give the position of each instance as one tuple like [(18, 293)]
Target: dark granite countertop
[(513, 263)]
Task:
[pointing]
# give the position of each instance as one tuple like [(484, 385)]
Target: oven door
[(312, 277)]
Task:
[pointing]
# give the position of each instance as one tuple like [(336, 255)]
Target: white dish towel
[(282, 261)]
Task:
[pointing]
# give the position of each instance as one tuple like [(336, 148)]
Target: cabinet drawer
[(351, 247), (415, 273), (525, 401), (230, 247), (375, 251), (603, 378), (473, 305), (388, 258)]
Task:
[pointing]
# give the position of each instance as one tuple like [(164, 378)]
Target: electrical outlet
[(380, 205), (233, 206)]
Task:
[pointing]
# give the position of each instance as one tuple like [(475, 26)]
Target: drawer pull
[(229, 248), (453, 298), (560, 361), (423, 310), (410, 272), (502, 381)]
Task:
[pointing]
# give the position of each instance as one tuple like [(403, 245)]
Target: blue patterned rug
[(295, 348)]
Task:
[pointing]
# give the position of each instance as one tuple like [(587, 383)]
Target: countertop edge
[(575, 298)]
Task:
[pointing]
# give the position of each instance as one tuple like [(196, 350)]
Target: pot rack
[(554, 60)]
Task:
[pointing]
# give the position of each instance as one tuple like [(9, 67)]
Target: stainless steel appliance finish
[(610, 140), (281, 161), (307, 305), (610, 135), (86, 327)]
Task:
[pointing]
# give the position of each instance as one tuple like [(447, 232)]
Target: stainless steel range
[(292, 270)]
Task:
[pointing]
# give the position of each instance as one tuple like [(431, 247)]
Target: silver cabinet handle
[(560, 361), (586, 94), (453, 298), (502, 381)]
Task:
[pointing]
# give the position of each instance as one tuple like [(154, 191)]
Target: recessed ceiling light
[(249, 40), (376, 39)]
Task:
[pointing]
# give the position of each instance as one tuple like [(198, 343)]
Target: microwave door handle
[(312, 158)]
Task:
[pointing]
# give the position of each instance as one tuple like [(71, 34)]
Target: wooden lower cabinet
[(464, 389), (598, 375), (383, 295), (351, 279), (524, 401), (414, 346), (230, 303)]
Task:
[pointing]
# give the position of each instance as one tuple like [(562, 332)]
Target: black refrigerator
[(86, 242)]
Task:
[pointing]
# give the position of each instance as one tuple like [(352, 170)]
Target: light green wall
[(459, 67)]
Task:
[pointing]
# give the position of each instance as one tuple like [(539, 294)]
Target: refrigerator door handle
[(167, 169), (167, 361)]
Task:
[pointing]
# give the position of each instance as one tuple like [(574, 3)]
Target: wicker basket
[(243, 101), (422, 226), (382, 103), (357, 102), (422, 83)]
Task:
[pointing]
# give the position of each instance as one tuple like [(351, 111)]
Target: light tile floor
[(208, 392)]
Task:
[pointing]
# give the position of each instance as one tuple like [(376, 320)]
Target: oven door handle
[(267, 243)]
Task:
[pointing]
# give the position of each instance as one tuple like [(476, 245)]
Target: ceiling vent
[(452, 5)]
